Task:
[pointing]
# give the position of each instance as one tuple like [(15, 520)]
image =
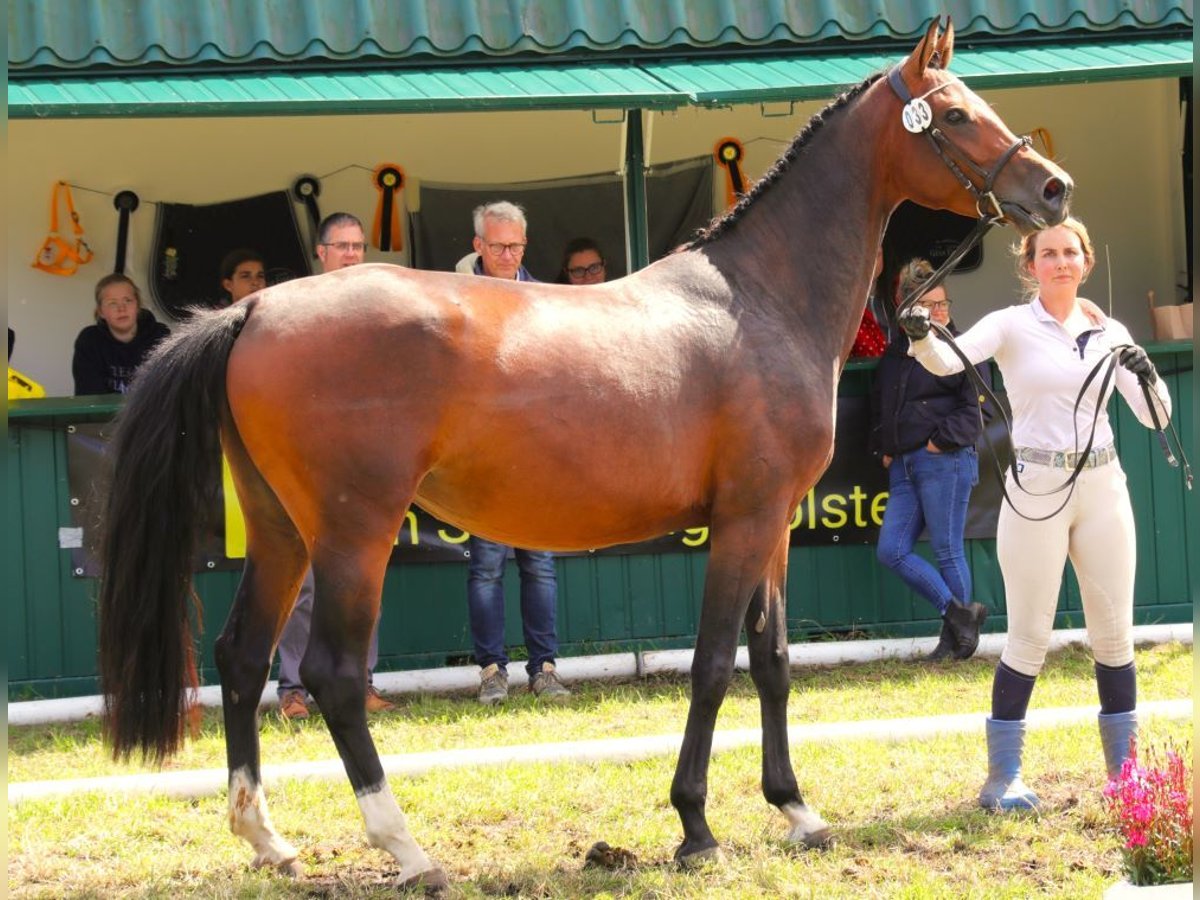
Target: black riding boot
[(964, 622), (945, 645)]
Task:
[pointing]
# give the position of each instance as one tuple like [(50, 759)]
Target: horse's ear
[(918, 60), (945, 48)]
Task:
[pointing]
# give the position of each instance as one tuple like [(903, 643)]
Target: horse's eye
[(955, 116)]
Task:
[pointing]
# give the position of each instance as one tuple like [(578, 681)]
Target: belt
[(1101, 456)]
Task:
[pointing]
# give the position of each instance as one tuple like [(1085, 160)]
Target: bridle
[(918, 119)]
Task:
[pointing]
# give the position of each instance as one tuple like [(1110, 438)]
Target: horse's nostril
[(1055, 191)]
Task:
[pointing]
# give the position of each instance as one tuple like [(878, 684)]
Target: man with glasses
[(341, 242), (500, 243)]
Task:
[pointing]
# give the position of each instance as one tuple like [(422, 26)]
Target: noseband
[(918, 119)]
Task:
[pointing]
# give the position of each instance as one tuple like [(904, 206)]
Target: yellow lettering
[(877, 507), (812, 513), (460, 538), (858, 495), (834, 506), (695, 536), (235, 524), (410, 522)]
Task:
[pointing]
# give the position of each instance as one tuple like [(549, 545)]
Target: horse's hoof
[(821, 839), (434, 882), (809, 830), (289, 868), (697, 858)]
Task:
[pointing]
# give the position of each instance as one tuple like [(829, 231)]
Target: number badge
[(917, 116)]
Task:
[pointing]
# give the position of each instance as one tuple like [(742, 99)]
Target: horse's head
[(958, 154)]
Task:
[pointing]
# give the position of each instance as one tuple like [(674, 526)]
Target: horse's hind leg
[(766, 633), (348, 571), (275, 564)]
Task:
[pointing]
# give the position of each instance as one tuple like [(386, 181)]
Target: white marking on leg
[(805, 824), (387, 829), (249, 819)]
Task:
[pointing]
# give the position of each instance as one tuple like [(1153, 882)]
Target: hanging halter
[(57, 255)]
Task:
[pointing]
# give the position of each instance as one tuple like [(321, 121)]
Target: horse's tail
[(166, 465)]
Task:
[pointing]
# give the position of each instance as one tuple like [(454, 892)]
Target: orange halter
[(57, 256)]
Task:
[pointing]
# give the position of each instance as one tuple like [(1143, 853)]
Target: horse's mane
[(725, 221)]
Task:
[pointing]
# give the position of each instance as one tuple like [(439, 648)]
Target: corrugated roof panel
[(331, 93), (73, 34), (651, 85), (767, 79)]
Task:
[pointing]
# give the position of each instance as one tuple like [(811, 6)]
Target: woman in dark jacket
[(109, 352), (924, 431)]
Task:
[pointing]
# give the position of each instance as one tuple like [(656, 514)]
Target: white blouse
[(1044, 364)]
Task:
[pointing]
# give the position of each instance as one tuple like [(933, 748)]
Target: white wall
[(1120, 141)]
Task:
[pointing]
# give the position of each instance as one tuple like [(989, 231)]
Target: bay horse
[(699, 390)]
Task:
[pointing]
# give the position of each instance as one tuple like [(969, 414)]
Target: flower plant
[(1152, 801)]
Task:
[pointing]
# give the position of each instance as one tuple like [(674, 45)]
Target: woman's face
[(938, 305), (118, 308), (1059, 263), (585, 267), (247, 278)]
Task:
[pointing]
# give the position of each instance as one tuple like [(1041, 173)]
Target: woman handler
[(1045, 349)]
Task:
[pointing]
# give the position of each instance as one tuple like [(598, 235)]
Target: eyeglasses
[(497, 249), (582, 271), (936, 304), (346, 246)]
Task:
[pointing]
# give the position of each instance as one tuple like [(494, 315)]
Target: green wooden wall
[(606, 603)]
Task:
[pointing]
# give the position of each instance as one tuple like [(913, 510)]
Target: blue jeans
[(929, 491), (485, 603)]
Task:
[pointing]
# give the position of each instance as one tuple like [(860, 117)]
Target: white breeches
[(1095, 530)]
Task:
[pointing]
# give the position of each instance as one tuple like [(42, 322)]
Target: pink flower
[(1152, 805)]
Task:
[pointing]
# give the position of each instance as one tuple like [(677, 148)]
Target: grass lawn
[(904, 812)]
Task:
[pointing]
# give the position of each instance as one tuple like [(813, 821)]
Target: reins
[(917, 118)]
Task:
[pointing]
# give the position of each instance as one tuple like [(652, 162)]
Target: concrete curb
[(207, 782), (610, 666)]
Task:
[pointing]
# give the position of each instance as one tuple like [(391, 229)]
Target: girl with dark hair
[(582, 262)]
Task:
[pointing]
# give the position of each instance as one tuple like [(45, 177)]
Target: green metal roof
[(89, 34), (650, 84), (328, 93), (768, 79)]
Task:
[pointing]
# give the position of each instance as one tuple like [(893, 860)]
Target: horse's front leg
[(766, 632), (334, 669), (739, 552)]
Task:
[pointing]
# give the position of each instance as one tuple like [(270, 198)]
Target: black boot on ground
[(945, 645), (964, 622)]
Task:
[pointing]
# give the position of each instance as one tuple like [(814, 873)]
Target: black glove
[(914, 322), (1137, 362)]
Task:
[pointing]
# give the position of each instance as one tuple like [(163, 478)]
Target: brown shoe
[(376, 702), (292, 705), (547, 685)]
